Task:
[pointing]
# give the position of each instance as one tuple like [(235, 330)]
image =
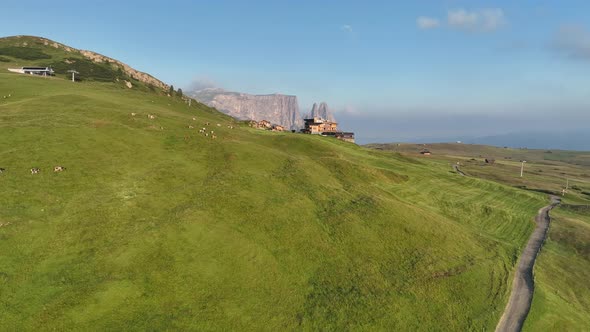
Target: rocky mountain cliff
[(321, 111), (276, 108)]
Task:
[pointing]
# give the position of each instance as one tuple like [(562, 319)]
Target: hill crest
[(94, 57)]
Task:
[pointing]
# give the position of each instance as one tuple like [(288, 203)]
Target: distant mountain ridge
[(576, 140), (276, 108), (572, 140)]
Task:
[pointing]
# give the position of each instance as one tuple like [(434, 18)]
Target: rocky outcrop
[(276, 108), (321, 111), (136, 74)]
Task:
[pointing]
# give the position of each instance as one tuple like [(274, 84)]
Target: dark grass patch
[(87, 69), (342, 296), (392, 176), (25, 53), (572, 236), (3, 59), (544, 191), (576, 208)]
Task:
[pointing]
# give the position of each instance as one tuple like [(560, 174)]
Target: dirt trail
[(523, 285)]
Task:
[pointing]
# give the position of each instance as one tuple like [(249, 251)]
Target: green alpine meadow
[(126, 205)]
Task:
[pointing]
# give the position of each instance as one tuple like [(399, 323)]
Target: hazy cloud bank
[(573, 41), (481, 20)]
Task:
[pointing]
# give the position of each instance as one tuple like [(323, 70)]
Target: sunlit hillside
[(154, 225)]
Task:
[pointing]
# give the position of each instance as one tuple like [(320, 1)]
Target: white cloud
[(460, 18), (493, 19), (425, 23), (202, 83), (488, 19), (573, 41), (346, 28)]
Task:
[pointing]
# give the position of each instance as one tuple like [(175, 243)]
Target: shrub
[(87, 69)]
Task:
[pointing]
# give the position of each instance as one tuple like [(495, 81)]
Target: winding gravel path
[(523, 285)]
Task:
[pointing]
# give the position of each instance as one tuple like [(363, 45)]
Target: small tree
[(179, 92), (171, 90)]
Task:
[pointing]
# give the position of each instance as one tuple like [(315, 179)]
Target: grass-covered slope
[(154, 226), (562, 298), (562, 293), (22, 51)]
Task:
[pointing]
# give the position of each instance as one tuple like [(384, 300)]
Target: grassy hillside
[(155, 226), (562, 301), (563, 268), (21, 51)]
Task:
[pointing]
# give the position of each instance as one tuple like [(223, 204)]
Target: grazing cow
[(194, 119), (35, 170), (207, 123), (151, 116), (212, 132), (213, 136), (59, 169), (206, 134), (219, 125), (133, 114), (191, 127), (2, 170)]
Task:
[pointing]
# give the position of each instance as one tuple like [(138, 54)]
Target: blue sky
[(371, 60)]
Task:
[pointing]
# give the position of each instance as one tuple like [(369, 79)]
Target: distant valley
[(577, 140)]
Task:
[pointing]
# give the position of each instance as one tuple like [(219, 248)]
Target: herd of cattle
[(203, 130), (36, 170)]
